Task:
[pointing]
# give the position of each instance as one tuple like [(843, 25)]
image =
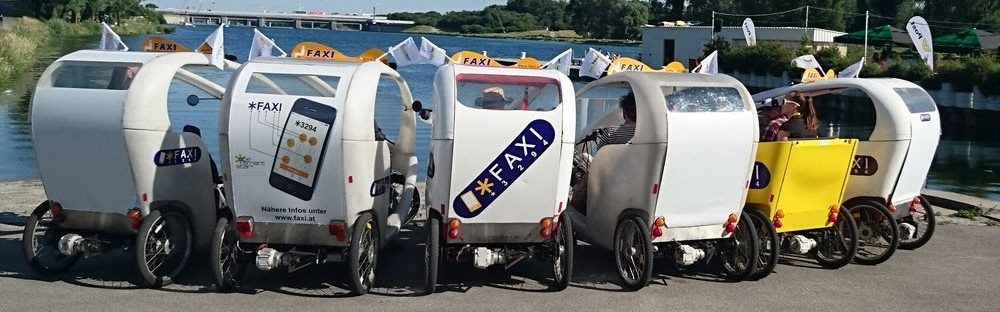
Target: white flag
[(852, 71), (749, 32), (594, 64), (110, 41), (806, 62), (406, 53), (920, 33), (215, 41), (262, 46), (432, 53), (561, 62), (709, 65)]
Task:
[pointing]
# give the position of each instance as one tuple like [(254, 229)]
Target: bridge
[(297, 19)]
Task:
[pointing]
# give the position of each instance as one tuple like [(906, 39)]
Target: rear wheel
[(432, 254), (363, 254), (923, 222), (770, 245), (229, 263), (633, 253), (837, 244), (878, 233), (41, 243), (740, 252), (163, 247), (562, 260)]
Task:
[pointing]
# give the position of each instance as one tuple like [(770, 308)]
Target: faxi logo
[(761, 176), (864, 165), (632, 67), (505, 169), (177, 156), (321, 53), (264, 106), (477, 61)]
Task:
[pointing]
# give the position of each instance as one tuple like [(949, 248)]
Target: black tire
[(229, 263), (432, 254), (837, 244), (163, 247), (634, 249), (922, 219), (878, 233), (40, 240), (741, 251), (770, 245), (562, 255), (363, 254)]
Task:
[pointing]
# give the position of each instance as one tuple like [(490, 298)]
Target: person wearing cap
[(493, 98), (802, 121)]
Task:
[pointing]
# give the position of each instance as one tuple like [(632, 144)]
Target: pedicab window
[(497, 92), (703, 99), (917, 100), (293, 84), (95, 75)]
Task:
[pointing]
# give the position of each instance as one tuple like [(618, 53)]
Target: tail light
[(135, 216), (731, 224), (338, 229), (777, 223), (657, 230), (834, 212), (914, 204), (777, 218), (545, 227), (453, 225), (888, 204), (244, 227), (57, 212)]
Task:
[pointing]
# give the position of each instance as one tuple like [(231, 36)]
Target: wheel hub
[(865, 232)]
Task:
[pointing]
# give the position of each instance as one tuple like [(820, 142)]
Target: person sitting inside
[(603, 137), (802, 121), (493, 98)]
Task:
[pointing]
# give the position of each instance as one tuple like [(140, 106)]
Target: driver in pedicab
[(621, 134), (493, 98)]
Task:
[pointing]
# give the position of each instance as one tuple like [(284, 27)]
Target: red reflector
[(730, 227), (771, 200), (244, 227), (560, 207), (136, 216), (453, 233), (145, 197), (892, 208), (545, 232), (832, 218), (656, 188), (777, 223), (338, 230), (442, 208), (657, 232), (56, 208)]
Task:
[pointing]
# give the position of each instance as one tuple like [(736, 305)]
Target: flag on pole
[(806, 62), (110, 41), (561, 62), (920, 33), (213, 45), (852, 71), (709, 65), (406, 53), (262, 46), (594, 64), (432, 53), (749, 32)]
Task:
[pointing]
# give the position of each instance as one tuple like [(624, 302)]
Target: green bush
[(991, 82), (763, 58)]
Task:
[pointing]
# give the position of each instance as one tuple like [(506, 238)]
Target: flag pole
[(866, 33)]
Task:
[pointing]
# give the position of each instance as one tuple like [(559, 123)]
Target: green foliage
[(609, 19), (19, 45), (971, 213), (765, 57), (551, 14), (111, 11)]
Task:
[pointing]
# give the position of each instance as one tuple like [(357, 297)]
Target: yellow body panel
[(806, 179)]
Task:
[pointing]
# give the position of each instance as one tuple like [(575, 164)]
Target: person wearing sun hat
[(493, 98)]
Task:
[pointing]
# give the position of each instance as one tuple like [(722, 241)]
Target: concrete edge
[(959, 202)]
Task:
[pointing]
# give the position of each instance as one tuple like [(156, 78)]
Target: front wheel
[(432, 254), (363, 254), (740, 252), (837, 244), (770, 245), (633, 253), (163, 247), (41, 243), (562, 260), (878, 233), (229, 263), (923, 222)]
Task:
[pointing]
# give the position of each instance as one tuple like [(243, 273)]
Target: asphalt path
[(958, 270)]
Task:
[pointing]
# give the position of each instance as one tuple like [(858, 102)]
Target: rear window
[(92, 75), (496, 92), (916, 99), (703, 99), (293, 84)]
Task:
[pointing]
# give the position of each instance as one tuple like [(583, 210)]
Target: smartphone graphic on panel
[(301, 148)]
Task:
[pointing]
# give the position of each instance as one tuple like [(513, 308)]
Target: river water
[(961, 165)]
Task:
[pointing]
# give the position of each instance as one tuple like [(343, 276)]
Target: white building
[(662, 45)]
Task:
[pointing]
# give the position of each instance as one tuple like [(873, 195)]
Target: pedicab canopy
[(318, 51), (478, 59), (626, 64)]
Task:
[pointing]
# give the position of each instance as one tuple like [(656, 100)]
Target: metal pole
[(711, 32), (807, 16), (866, 33)]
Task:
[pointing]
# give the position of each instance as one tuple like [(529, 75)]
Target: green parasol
[(877, 36), (967, 41)]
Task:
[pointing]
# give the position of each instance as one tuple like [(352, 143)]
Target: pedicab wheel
[(229, 263), (163, 247), (769, 244), (740, 252), (878, 233), (363, 254), (633, 253), (562, 260), (923, 221), (432, 254), (837, 244), (41, 243)]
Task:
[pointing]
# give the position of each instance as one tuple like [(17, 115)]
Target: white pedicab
[(498, 176), (116, 172), (679, 185), (898, 126), (312, 178)]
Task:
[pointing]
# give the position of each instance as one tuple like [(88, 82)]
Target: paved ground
[(957, 270)]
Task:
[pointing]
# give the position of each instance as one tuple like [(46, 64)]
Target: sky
[(341, 6)]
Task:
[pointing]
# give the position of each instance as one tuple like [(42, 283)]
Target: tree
[(551, 14)]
